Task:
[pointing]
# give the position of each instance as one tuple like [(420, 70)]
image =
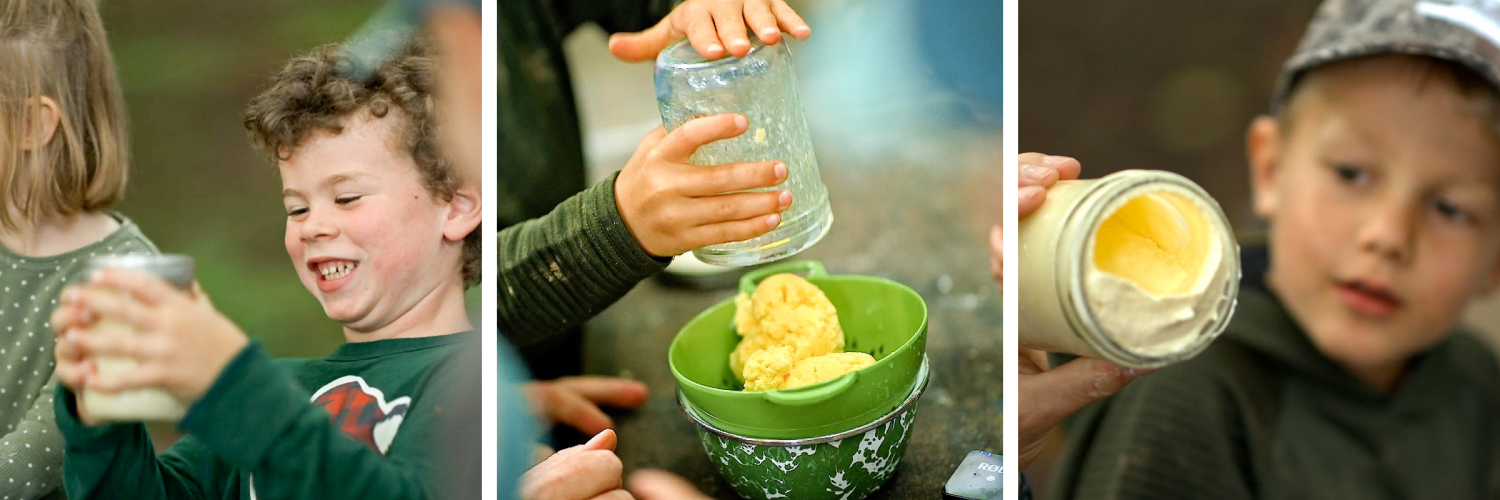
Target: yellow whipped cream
[(791, 336), (1154, 259)]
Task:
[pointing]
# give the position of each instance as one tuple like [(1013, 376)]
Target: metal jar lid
[(174, 268)]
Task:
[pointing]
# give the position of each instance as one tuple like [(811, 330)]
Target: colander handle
[(813, 268), (813, 394)]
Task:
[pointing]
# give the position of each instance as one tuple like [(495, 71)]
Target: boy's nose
[(318, 228), (1390, 232)]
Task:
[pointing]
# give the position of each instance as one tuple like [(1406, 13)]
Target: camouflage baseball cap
[(1466, 32)]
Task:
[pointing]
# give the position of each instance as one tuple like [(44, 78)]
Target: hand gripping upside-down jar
[(763, 87)]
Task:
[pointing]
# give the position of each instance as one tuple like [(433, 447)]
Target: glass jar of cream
[(1139, 267)]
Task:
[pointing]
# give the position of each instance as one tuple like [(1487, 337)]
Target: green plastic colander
[(879, 317)]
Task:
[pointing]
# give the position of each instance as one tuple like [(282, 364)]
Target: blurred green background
[(197, 186)]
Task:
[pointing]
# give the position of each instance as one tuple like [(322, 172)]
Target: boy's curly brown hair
[(318, 91)]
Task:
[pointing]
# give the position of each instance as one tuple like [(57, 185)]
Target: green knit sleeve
[(118, 461), (1171, 434), (557, 271)]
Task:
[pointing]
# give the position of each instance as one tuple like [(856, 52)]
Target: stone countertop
[(926, 228)]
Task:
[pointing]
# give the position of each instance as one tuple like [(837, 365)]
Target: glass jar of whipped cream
[(1139, 267), (141, 405)]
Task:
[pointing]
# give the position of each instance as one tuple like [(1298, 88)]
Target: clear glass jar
[(1139, 267), (140, 405), (763, 87)]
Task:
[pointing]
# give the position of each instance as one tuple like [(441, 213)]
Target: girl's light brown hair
[(317, 92), (57, 49)]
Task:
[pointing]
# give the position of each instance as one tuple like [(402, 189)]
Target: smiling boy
[(383, 233), (1341, 375)]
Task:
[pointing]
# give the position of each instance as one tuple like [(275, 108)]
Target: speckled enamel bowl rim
[(922, 378)]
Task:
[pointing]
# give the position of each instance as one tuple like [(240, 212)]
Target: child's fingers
[(73, 375), (609, 391), (758, 15), (605, 440), (540, 454), (1031, 361), (68, 349), (1064, 390), (1030, 159), (645, 45), (1036, 175), (730, 21), (679, 145), (1028, 199), (585, 473), (105, 303), (647, 144), (1067, 168), (652, 484), (559, 404), (789, 20), (738, 206), (143, 376), (615, 495), (133, 346), (725, 232), (68, 316), (709, 181), (591, 473), (148, 289), (699, 27)]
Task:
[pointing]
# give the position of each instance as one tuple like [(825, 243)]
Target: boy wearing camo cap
[(1343, 373)]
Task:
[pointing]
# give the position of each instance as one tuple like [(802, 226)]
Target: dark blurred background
[(1170, 85), (197, 187)]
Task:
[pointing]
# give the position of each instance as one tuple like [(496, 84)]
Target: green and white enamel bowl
[(848, 465)]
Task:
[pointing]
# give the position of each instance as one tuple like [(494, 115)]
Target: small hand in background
[(589, 471), (575, 401), (661, 485)]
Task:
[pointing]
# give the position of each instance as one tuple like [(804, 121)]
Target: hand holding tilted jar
[(1047, 396)]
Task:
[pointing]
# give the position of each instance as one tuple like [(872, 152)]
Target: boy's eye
[(295, 211), (1450, 211), (1351, 174), (347, 199)]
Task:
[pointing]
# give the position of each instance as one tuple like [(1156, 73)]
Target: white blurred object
[(688, 265), (686, 271)]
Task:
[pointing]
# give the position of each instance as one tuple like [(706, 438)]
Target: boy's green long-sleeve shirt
[(1263, 414), (361, 423), (559, 270)]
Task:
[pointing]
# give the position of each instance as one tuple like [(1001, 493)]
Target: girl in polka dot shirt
[(63, 160)]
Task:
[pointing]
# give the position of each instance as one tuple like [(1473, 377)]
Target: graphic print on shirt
[(360, 411)]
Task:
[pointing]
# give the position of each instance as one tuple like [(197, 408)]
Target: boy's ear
[(49, 115), (1263, 144), (465, 211)]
